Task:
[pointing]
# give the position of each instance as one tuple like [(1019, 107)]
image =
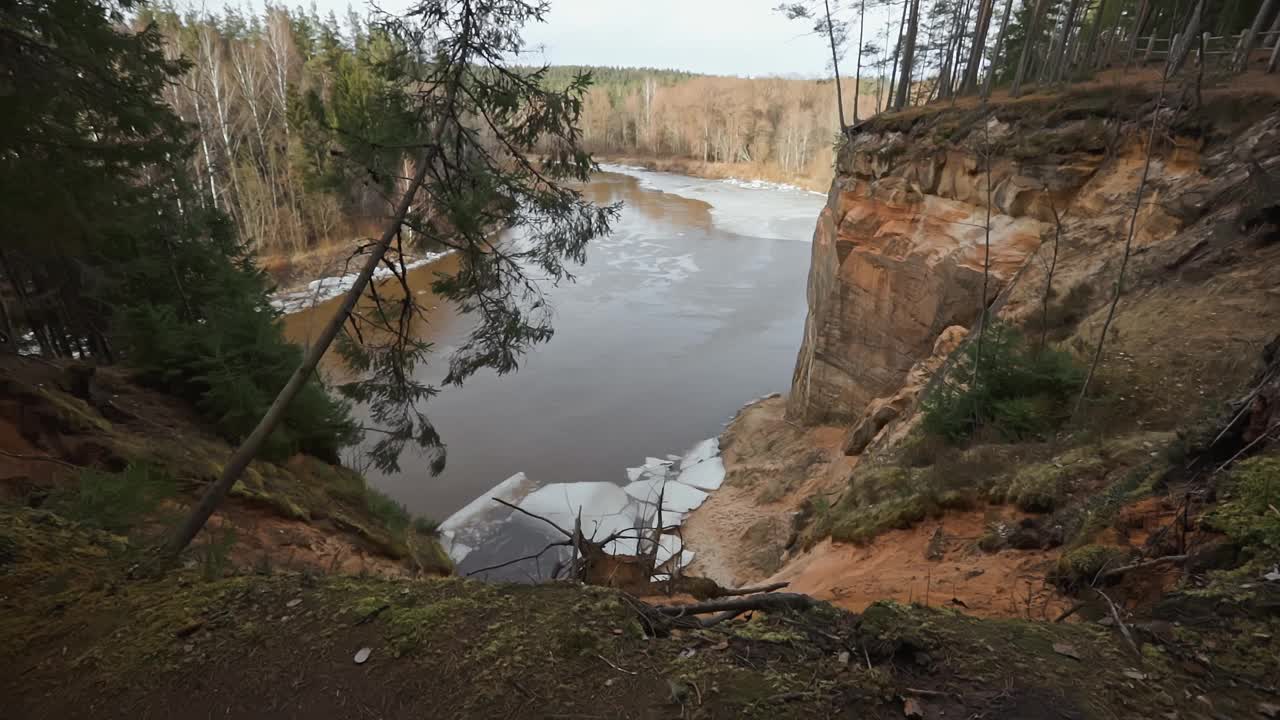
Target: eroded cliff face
[(896, 286), (899, 250)]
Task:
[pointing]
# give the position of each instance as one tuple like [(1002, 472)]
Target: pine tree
[(479, 120)]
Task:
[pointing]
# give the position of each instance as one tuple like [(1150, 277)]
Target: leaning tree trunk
[(995, 57), (1189, 36), (1144, 14), (857, 72), (971, 70), (1273, 33), (1095, 32), (249, 449), (835, 65), (908, 56), (1251, 36), (1027, 43), (897, 51), (1055, 66)]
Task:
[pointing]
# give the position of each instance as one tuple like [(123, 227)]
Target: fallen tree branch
[(921, 692), (732, 592), (522, 511), (615, 667), (1124, 629), (768, 602), (1070, 611), (1264, 436), (1117, 572), (534, 556), (719, 618), (41, 458)]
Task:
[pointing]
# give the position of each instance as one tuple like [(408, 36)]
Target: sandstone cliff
[(895, 289), (899, 250)]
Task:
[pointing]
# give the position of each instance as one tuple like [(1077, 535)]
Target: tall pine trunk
[(1251, 36), (976, 52), (897, 52), (1027, 43), (1056, 66), (857, 73), (995, 57), (835, 64), (908, 55)]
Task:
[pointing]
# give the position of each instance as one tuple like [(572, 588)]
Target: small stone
[(679, 691), (609, 682), (1135, 675), (912, 709), (294, 602), (844, 657), (615, 631), (363, 654), (1067, 650)]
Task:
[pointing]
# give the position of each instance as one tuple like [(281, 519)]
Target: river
[(693, 306)]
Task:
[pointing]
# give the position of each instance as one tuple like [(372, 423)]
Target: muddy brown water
[(692, 307)]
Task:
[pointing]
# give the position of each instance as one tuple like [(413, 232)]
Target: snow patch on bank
[(327, 288), (752, 208)]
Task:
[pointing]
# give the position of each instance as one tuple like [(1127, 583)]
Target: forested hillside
[(273, 97), (779, 128)]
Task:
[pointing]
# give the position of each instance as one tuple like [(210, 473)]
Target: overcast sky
[(723, 37)]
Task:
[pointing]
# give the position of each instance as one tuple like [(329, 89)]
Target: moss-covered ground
[(84, 639), (130, 460)]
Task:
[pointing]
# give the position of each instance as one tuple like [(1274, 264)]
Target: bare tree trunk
[(835, 64), (1144, 14), (1027, 42), (1187, 38), (1108, 51), (1273, 33), (275, 415), (857, 73), (986, 265), (1128, 246), (897, 50), (976, 52), (995, 58), (957, 75), (1095, 31), (1251, 36), (908, 55), (1048, 276), (1056, 65)]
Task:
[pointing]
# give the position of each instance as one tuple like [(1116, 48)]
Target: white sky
[(722, 37)]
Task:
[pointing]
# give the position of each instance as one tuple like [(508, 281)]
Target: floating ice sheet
[(704, 450), (676, 497), (483, 508), (561, 502), (706, 475)]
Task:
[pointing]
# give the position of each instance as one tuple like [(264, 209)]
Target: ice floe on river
[(628, 512)]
